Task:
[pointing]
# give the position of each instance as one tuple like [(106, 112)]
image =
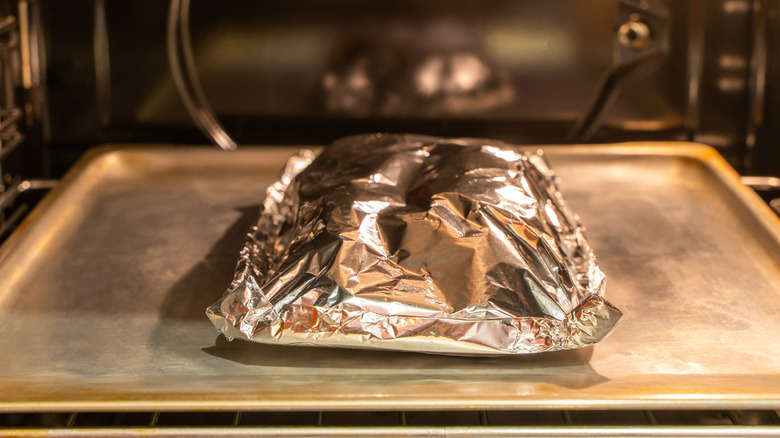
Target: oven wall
[(767, 113), (306, 71)]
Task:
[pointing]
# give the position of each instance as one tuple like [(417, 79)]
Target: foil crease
[(408, 242)]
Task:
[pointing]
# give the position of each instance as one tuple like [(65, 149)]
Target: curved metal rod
[(182, 64), (609, 87), (630, 61), (102, 63), (761, 182)]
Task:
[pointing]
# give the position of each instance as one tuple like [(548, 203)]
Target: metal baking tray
[(103, 290)]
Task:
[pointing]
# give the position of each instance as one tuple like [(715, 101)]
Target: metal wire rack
[(655, 423), (15, 45), (10, 138)]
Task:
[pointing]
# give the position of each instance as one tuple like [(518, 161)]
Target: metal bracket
[(641, 42)]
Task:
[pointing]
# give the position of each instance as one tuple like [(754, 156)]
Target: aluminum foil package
[(408, 242)]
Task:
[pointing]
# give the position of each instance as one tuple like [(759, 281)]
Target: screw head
[(635, 34)]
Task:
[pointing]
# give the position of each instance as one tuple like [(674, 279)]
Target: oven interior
[(83, 73)]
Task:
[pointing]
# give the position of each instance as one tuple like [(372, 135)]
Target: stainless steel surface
[(102, 291)]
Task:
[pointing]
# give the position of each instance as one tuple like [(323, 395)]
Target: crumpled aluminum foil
[(408, 242)]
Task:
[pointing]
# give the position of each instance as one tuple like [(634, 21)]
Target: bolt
[(635, 34)]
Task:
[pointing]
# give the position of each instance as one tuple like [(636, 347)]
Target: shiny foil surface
[(408, 242)]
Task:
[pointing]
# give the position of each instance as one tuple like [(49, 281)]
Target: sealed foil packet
[(408, 242)]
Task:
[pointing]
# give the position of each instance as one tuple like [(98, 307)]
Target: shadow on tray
[(205, 282), (570, 369), (202, 285)]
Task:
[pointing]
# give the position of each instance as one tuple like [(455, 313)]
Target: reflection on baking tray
[(570, 368), (684, 251), (194, 291)]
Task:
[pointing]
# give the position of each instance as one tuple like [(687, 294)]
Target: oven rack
[(10, 137), (637, 423), (18, 39)]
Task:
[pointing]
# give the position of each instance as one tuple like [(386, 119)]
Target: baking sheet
[(103, 291)]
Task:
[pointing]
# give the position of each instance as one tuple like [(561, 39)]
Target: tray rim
[(125, 399), (251, 399), (706, 155), (703, 154)]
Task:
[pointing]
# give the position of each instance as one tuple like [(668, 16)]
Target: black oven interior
[(306, 72)]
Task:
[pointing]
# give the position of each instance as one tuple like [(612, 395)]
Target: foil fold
[(408, 242)]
